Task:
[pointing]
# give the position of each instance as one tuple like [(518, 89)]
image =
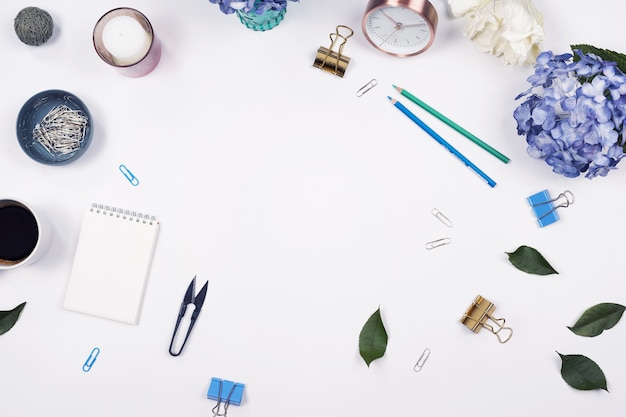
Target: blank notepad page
[(112, 263)]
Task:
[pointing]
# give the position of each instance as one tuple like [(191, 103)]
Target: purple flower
[(573, 114)]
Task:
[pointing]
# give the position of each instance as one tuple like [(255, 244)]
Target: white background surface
[(307, 208)]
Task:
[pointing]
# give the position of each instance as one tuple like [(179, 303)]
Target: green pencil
[(452, 124)]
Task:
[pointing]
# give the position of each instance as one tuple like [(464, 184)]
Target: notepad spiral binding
[(123, 214)]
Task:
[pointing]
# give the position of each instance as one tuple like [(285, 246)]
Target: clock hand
[(389, 17), (415, 24), (390, 35)]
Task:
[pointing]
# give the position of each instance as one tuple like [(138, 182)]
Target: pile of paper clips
[(61, 131)]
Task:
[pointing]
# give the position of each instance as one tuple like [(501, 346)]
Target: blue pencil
[(441, 141)]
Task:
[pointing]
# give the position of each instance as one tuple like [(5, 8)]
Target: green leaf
[(529, 260), (8, 318), (582, 373), (598, 318), (373, 338), (605, 54)]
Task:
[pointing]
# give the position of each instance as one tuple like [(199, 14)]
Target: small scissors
[(197, 301)]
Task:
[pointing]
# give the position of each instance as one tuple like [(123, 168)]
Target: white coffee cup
[(25, 234)]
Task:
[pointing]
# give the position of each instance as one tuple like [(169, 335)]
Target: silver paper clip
[(422, 360), (91, 359), (442, 218), (129, 175), (437, 243), (367, 87)]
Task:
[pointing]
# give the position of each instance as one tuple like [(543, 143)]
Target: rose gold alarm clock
[(400, 27)]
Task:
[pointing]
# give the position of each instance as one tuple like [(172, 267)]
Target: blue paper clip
[(91, 359), (129, 175), (545, 208), (225, 391)]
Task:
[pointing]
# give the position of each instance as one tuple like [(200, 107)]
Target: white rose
[(461, 7), (512, 29)]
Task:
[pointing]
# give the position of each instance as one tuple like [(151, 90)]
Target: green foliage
[(529, 260), (582, 373), (605, 54), (598, 318), (373, 338), (9, 318)]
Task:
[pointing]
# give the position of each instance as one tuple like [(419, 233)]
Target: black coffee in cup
[(19, 233)]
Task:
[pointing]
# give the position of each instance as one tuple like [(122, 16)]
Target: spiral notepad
[(111, 263)]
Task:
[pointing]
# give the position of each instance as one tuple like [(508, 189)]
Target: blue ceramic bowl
[(32, 114)]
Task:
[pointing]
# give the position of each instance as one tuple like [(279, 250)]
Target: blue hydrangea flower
[(256, 6), (573, 114)]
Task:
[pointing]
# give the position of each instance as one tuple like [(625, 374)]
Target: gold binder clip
[(477, 315), (334, 61)]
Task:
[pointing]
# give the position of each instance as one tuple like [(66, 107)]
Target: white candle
[(126, 40)]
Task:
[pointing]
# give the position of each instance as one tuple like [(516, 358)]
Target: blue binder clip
[(227, 392), (545, 208)]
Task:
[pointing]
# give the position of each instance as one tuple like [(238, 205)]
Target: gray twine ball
[(33, 26)]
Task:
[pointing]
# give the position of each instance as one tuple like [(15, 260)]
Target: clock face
[(398, 30)]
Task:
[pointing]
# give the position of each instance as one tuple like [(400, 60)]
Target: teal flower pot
[(261, 22)]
